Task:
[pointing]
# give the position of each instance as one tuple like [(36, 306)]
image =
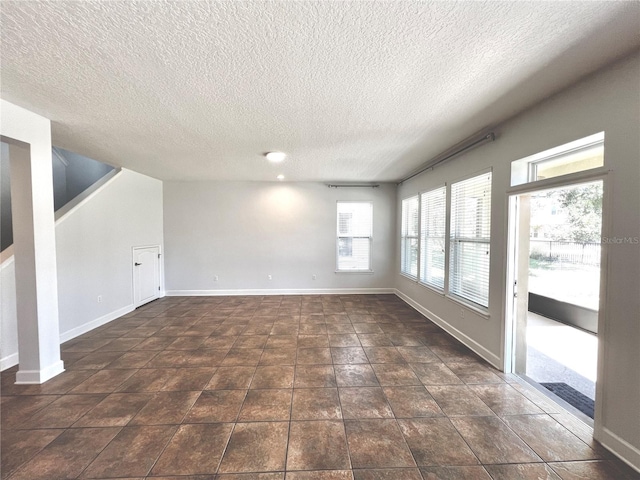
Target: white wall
[(94, 243), (8, 315), (607, 101), (242, 232), (94, 256)]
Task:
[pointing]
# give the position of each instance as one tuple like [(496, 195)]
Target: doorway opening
[(556, 274)]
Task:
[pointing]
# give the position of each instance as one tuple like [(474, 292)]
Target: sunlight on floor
[(572, 354), (569, 346)]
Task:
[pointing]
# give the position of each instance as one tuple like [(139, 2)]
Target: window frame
[(455, 295), (339, 236), (524, 171), (404, 237), (445, 241)]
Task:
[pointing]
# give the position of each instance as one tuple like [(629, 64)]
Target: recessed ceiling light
[(275, 156), (280, 177)]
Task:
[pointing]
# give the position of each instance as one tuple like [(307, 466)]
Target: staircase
[(74, 177)]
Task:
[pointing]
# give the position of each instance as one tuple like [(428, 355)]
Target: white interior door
[(146, 274)]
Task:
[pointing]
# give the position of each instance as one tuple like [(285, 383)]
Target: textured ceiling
[(352, 91)]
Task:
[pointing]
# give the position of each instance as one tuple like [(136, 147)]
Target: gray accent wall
[(60, 196), (6, 227), (81, 173)]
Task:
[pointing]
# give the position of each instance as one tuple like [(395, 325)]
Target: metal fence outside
[(569, 252)]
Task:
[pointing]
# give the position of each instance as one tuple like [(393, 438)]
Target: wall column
[(29, 138)]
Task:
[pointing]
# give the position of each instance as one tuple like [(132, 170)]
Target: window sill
[(409, 277), (481, 311), (362, 272), (436, 290)]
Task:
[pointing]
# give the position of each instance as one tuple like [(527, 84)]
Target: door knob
[(137, 264)]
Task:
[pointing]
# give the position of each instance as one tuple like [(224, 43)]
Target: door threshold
[(147, 303), (523, 379)]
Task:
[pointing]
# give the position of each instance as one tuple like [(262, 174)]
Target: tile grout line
[(203, 315)]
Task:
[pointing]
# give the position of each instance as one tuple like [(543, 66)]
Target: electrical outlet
[(313, 277), (215, 278), (462, 313), (99, 298), (269, 277)]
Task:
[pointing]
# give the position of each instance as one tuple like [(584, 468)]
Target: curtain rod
[(353, 185), (457, 150)]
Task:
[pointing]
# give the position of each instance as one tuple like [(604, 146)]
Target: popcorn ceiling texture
[(350, 90)]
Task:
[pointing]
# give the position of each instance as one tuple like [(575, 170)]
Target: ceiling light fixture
[(275, 156), (280, 177)]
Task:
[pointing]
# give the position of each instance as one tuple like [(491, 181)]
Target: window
[(355, 221), (583, 154), (409, 240), (432, 237), (470, 239)]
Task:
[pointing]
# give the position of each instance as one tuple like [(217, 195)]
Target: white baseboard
[(13, 359), (258, 291), (86, 327), (619, 447), (489, 356), (37, 377), (8, 361)]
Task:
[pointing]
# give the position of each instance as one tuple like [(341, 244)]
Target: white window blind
[(433, 221), (409, 237), (355, 225), (470, 239)]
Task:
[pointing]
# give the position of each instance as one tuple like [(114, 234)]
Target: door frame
[(513, 221), (161, 292)]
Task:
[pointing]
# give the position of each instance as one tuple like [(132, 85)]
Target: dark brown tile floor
[(302, 388)]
